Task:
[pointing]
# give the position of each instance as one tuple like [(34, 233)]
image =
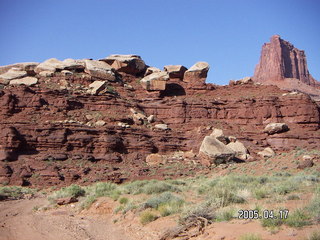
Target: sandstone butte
[(284, 65), (92, 120)]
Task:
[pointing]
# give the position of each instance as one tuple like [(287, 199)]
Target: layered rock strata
[(82, 123)]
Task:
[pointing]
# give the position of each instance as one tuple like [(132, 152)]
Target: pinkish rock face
[(279, 60)]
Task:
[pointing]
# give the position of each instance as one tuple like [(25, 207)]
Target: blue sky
[(227, 34)]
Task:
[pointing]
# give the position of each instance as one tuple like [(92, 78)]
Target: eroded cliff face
[(63, 128), (279, 60)]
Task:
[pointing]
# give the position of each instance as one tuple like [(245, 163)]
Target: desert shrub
[(298, 218), (134, 187), (88, 202), (260, 193), (272, 223), (159, 187), (250, 236), (225, 214), (283, 188), (123, 200), (156, 201), (293, 197), (244, 194), (224, 197), (170, 208), (14, 192), (130, 206), (205, 210), (102, 189), (177, 182), (147, 216), (314, 236), (70, 191), (119, 208), (150, 187), (314, 207)]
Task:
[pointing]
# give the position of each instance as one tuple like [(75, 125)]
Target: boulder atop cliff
[(131, 64)]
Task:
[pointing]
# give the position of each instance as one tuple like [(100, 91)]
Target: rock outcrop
[(175, 71), (131, 64), (85, 121), (196, 75), (279, 60)]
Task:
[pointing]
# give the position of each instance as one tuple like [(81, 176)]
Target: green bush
[(150, 187), (225, 214), (283, 188), (123, 200), (297, 219), (88, 202), (156, 201), (250, 236), (314, 207), (170, 208), (147, 216), (70, 191), (159, 187), (271, 223), (224, 197), (14, 192), (293, 197), (314, 236), (102, 189), (204, 210), (260, 193), (130, 206)]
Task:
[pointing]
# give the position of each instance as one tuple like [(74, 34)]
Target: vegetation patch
[(250, 236), (147, 217), (14, 192), (70, 191), (299, 218)]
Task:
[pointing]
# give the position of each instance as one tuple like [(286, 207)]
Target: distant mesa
[(280, 60)]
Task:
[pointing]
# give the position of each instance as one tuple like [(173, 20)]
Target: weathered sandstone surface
[(88, 120)]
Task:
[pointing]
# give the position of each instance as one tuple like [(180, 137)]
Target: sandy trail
[(18, 220)]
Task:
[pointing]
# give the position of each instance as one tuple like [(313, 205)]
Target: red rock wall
[(44, 138)]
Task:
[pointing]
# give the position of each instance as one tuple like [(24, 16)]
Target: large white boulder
[(131, 64), (273, 128), (155, 81), (13, 73), (151, 70), (28, 81), (51, 65), (239, 148), (175, 71), (199, 67), (267, 153), (99, 69), (161, 126), (72, 64), (96, 87), (24, 66), (196, 75), (216, 151)]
